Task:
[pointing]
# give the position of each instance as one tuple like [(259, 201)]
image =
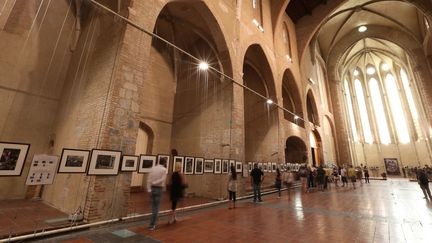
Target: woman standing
[(232, 186), (178, 184)]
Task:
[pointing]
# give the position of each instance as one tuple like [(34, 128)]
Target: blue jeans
[(257, 191), (156, 195)]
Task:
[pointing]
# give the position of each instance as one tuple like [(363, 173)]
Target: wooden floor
[(383, 211)]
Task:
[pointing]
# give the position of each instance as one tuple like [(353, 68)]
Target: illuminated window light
[(370, 70), (362, 29), (255, 22), (356, 72), (296, 117), (385, 67), (203, 66), (269, 101), (261, 28)]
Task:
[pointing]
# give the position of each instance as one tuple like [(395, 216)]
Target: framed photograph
[(264, 169), (232, 163), (13, 156), (273, 167), (178, 162), (104, 162), (239, 166), (189, 165), (250, 166), (74, 161), (199, 165), (260, 166), (218, 166), (129, 163), (146, 162), (165, 157), (246, 171), (225, 166), (208, 166)]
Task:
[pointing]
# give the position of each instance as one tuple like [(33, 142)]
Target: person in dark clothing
[(257, 177), (278, 182), (423, 181), (366, 174), (232, 186), (320, 177), (178, 185)]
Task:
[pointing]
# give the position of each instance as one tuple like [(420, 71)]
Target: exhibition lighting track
[(267, 100)]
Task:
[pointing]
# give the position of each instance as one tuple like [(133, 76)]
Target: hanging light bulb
[(370, 70), (269, 101), (356, 72), (362, 29), (203, 66)]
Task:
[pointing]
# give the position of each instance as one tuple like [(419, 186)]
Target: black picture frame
[(225, 166), (146, 163), (126, 160), (199, 166), (74, 161), (189, 165), (102, 160), (217, 166), (12, 158), (208, 166)]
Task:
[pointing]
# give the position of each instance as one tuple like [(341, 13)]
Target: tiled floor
[(383, 211)]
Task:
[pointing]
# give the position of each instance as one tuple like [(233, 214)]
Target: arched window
[(364, 117), (287, 43), (322, 86), (397, 110), (379, 112), (257, 11), (411, 103), (351, 111)]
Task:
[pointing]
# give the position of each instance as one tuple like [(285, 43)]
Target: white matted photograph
[(178, 162), (239, 166), (146, 162), (225, 164), (13, 156), (208, 166), (74, 161), (104, 162), (129, 163), (189, 165), (199, 166), (218, 166)]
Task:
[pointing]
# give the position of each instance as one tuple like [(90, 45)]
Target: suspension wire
[(296, 117)]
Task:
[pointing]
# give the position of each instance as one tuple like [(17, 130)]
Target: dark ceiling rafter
[(296, 9)]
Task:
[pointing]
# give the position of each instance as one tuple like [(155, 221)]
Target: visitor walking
[(156, 184), (278, 182), (366, 174), (320, 177), (232, 187), (423, 181), (178, 185), (257, 177), (344, 176)]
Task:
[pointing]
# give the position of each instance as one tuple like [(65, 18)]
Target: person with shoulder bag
[(178, 185), (278, 182)]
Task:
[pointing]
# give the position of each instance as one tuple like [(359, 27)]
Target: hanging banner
[(392, 166)]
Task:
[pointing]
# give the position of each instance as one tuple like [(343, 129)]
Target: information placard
[(42, 170)]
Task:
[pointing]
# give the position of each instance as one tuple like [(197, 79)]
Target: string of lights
[(202, 65)]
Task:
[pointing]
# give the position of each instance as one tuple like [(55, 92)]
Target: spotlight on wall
[(269, 101), (261, 28), (362, 29), (203, 66), (255, 22), (311, 81), (288, 57), (356, 72), (296, 117), (370, 70)]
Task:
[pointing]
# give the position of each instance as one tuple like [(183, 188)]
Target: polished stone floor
[(383, 211)]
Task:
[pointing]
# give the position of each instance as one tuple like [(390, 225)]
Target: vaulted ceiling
[(298, 8)]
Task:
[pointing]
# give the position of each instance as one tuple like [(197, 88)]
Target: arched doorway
[(316, 148), (295, 150), (144, 145)]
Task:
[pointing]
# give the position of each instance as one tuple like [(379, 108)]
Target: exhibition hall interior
[(96, 94)]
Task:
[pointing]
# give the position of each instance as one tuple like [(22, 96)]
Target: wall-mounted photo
[(129, 163), (13, 156), (218, 166), (199, 165), (104, 162), (208, 166), (225, 166), (232, 163), (273, 167), (239, 166), (74, 161), (250, 166), (178, 164), (146, 162), (189, 165), (166, 158)]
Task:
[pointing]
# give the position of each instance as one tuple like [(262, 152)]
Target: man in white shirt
[(156, 185)]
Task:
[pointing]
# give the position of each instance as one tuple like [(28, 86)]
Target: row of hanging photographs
[(107, 162)]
